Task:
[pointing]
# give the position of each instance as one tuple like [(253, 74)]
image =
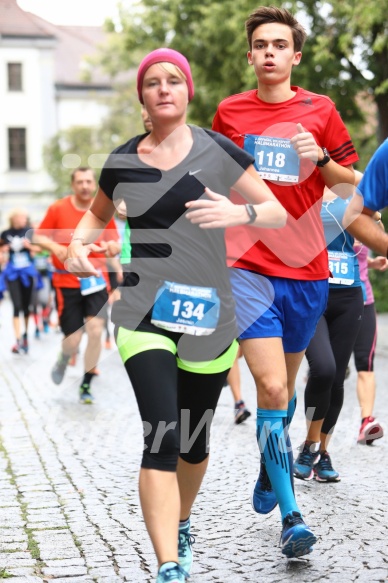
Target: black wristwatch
[(325, 159), (251, 213)]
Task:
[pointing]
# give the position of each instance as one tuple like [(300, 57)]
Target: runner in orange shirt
[(80, 302)]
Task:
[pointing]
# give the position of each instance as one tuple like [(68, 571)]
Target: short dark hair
[(268, 14), (82, 169)]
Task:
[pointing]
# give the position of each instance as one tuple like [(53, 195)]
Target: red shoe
[(370, 430), (73, 360), (16, 348)]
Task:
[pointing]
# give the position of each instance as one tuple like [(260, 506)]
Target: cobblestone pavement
[(69, 507)]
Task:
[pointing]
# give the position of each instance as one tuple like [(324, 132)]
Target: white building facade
[(41, 92)]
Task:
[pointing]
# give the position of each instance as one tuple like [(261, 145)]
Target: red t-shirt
[(297, 251), (59, 224)]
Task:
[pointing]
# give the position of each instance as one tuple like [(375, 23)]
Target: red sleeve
[(110, 232), (216, 125), (338, 141), (49, 221)]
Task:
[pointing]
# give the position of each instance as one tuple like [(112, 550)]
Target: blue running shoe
[(85, 395), (303, 465), (324, 471), (24, 345), (297, 539), (185, 543), (263, 497), (171, 573)]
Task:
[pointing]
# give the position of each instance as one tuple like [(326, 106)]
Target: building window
[(15, 77), (17, 148)]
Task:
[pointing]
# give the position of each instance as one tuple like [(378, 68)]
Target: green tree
[(345, 57), (89, 146), (66, 150)]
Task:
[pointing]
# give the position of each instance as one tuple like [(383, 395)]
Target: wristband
[(78, 239), (251, 213)]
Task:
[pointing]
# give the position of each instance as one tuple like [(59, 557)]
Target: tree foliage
[(89, 146), (345, 56)]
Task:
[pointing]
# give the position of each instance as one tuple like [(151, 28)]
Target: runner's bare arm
[(217, 211)]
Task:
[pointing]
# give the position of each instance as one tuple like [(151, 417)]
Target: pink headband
[(165, 56)]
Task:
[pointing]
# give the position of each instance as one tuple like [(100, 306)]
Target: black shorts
[(73, 307)]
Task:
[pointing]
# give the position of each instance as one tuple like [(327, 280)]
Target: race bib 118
[(275, 158)]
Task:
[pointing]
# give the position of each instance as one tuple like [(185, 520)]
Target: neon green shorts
[(131, 342)]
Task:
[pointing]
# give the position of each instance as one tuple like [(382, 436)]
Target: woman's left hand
[(77, 261), (215, 212)]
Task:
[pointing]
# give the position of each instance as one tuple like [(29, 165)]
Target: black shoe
[(241, 413)]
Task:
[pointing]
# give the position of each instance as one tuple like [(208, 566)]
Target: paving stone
[(72, 571), (13, 546), (81, 579), (61, 553), (26, 579), (103, 572), (76, 561), (21, 572)]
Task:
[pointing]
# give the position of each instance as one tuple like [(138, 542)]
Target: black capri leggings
[(328, 355), (176, 408), (365, 346), (20, 296)]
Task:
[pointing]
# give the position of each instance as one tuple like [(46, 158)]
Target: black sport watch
[(325, 159), (251, 213)]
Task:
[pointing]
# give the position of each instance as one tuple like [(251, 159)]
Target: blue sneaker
[(185, 543), (263, 497), (171, 573), (85, 395), (24, 344), (304, 463), (324, 471), (297, 539)]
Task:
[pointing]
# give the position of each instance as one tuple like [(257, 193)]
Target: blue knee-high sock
[(290, 414), (272, 440)]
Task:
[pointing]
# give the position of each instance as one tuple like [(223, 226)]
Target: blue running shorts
[(268, 307)]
